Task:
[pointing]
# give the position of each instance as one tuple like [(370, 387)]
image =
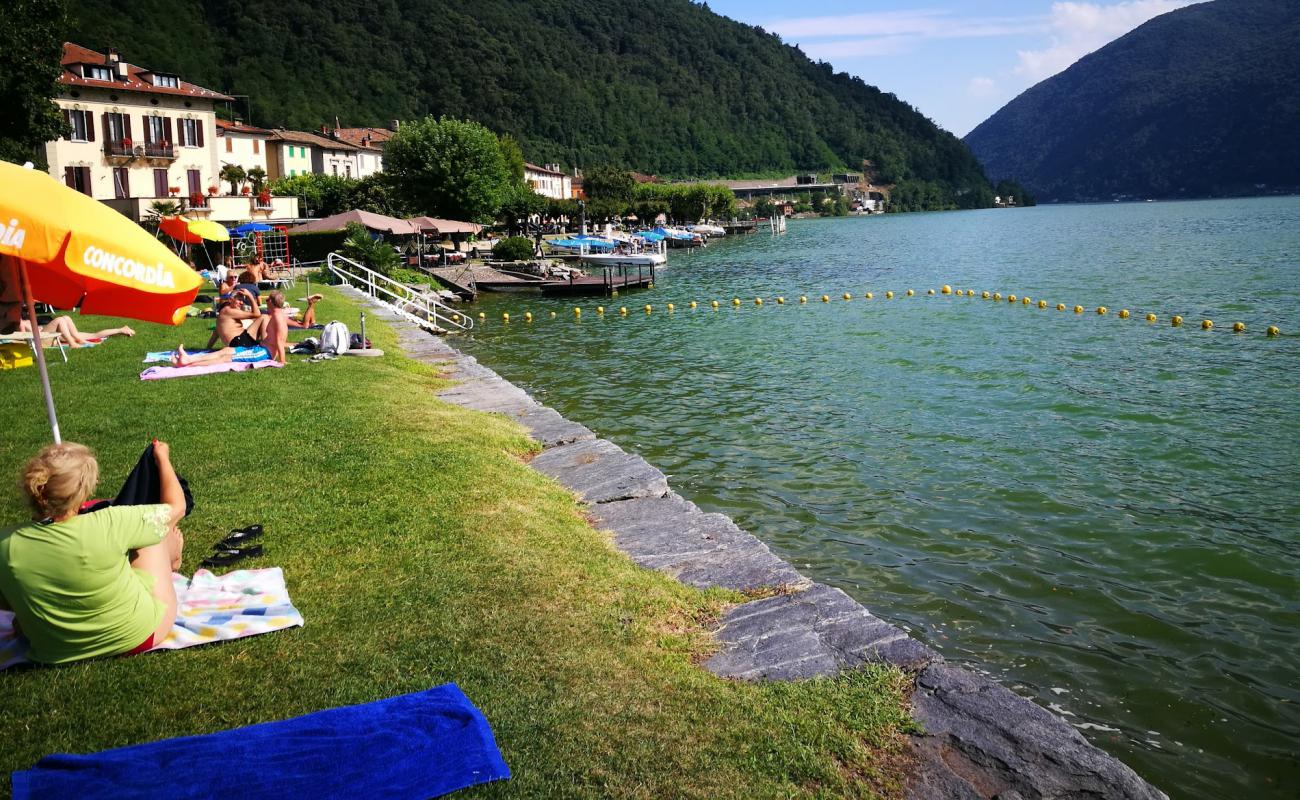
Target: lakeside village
[(172, 156)]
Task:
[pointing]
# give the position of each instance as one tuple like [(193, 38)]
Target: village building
[(370, 146), (549, 181), (139, 136), (243, 145), (301, 153)]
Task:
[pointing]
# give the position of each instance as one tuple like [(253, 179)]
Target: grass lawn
[(420, 550)]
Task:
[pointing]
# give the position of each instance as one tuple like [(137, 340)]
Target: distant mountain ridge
[(667, 87), (1200, 102)]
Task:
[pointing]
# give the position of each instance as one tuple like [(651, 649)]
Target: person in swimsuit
[(266, 330), (308, 316), (12, 318), (97, 584)]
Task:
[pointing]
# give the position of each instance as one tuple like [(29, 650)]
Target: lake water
[(1102, 513)]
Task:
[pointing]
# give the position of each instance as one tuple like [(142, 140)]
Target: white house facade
[(549, 181)]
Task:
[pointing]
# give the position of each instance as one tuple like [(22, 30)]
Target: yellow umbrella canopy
[(67, 249), (207, 229)]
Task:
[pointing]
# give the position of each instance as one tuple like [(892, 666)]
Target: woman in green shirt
[(87, 585)]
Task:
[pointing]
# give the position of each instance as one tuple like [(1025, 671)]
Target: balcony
[(119, 149), (159, 150), (226, 209)]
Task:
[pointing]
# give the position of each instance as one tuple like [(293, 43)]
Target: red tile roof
[(544, 170), (239, 127), (358, 136), (137, 79), (313, 139)]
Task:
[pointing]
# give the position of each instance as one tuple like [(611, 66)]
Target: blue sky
[(957, 61)]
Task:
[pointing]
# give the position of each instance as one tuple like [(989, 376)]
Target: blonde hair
[(59, 479), (275, 300)]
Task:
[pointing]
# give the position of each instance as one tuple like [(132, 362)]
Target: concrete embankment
[(980, 741)]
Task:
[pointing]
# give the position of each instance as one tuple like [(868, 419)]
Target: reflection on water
[(1102, 513)]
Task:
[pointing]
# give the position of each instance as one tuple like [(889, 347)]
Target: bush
[(314, 246), (363, 248), (516, 248)]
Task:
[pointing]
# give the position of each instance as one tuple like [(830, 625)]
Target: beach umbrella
[(179, 229), (251, 227), (207, 229), (67, 249)]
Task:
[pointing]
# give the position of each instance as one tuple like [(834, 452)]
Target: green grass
[(421, 550)]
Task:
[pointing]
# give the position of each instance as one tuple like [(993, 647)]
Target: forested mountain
[(666, 87), (1200, 102)]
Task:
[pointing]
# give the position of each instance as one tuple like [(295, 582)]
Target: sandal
[(224, 558), (238, 537)]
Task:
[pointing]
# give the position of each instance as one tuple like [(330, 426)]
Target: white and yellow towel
[(211, 608)]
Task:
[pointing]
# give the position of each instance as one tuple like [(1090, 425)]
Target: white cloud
[(981, 87), (1080, 28), (890, 32)]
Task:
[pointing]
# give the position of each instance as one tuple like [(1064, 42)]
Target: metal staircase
[(412, 304)]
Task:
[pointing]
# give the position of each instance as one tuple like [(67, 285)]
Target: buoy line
[(1176, 321)]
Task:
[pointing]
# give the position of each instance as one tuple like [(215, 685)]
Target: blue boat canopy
[(251, 227)]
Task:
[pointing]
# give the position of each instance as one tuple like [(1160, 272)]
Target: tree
[(375, 193), (321, 195), (159, 209), (610, 183), (448, 168), (365, 249), (257, 177), (235, 175), (514, 156), (519, 204), (31, 47)]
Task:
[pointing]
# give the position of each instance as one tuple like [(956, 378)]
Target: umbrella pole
[(39, 348)]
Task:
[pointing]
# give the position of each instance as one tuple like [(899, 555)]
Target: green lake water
[(1103, 514)]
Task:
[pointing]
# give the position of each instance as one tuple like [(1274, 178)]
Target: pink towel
[(158, 373)]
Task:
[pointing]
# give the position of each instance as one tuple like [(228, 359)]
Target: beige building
[(549, 181), (243, 145), (370, 146), (138, 136), (300, 152)]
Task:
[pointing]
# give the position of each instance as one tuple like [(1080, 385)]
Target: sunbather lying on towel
[(270, 330), (308, 317), (86, 585), (13, 319)]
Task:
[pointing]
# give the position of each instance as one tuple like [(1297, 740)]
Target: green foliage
[(319, 195), (235, 175), (159, 209), (1013, 189), (314, 245), (1202, 101), (31, 42), (257, 177), (514, 156), (609, 183), (515, 248), (363, 248), (376, 193), (448, 168), (520, 203)]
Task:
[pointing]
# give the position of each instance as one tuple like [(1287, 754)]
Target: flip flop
[(238, 537), (224, 558)]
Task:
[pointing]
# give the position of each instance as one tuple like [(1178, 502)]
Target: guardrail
[(425, 311)]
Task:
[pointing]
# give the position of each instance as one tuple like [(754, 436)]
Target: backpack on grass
[(334, 339)]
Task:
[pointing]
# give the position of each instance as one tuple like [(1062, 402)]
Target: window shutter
[(85, 175), (126, 182), (167, 128), (257, 147), (198, 129), (69, 177), (108, 131), (126, 126), (67, 120), (90, 126)]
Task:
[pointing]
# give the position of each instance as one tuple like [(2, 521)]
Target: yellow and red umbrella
[(71, 250), (193, 231)]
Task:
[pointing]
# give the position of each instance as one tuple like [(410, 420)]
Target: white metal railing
[(425, 311)]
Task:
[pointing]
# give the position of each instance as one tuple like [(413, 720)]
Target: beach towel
[(210, 608), (258, 353), (144, 485), (409, 747), (159, 373)]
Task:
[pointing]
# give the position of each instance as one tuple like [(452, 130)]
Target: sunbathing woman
[(86, 585), (65, 327), (308, 316)]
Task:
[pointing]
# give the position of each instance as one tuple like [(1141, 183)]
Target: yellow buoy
[(758, 301), (528, 316), (803, 298), (552, 314), (1011, 298), (984, 295), (1238, 327), (649, 286), (715, 303), (1042, 304), (889, 295), (613, 293), (455, 317), (970, 292), (1123, 313), (848, 296), (481, 315), (1151, 317), (1060, 306), (930, 292), (505, 317), (648, 309), (780, 301), (826, 298), (577, 312), (959, 293), (735, 301), (672, 307), (1078, 309), (1176, 321), (693, 304), (1025, 301), (622, 310), (869, 296), (1273, 331), (1101, 310), (600, 309), (910, 292), (946, 289), (997, 296), (1207, 324)]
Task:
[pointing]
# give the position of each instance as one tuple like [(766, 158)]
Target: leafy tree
[(321, 195), (448, 168), (520, 203), (363, 248), (514, 156), (515, 248), (375, 193), (233, 174), (31, 45), (610, 183), (159, 209)]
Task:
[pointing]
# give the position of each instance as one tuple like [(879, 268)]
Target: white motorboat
[(648, 259)]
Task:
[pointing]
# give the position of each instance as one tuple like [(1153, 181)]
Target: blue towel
[(410, 747)]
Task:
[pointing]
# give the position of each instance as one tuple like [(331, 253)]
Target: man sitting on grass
[(270, 330)]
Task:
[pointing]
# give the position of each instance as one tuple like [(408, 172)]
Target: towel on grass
[(258, 353), (210, 608), (159, 373), (409, 747)]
